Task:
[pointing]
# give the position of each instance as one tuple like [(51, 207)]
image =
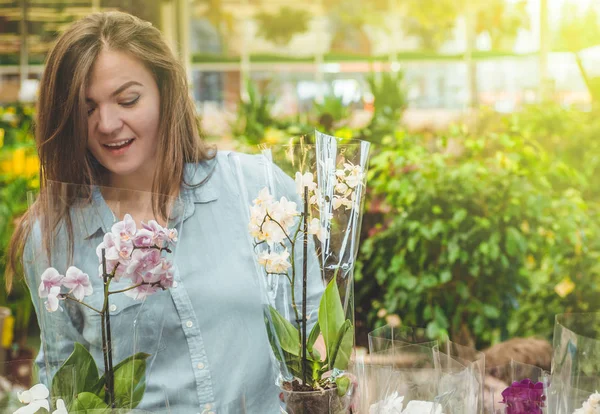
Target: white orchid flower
[(273, 233), (160, 235), (275, 262), (60, 407), (264, 197), (145, 238), (125, 229), (52, 302), (315, 198), (353, 180), (283, 212), (314, 227), (591, 406), (78, 282), (172, 235), (337, 202), (341, 188), (35, 398), (304, 180), (50, 278), (111, 246)]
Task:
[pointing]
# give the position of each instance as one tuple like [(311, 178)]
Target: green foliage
[(281, 27), (580, 29), (16, 125), (431, 21), (331, 112), (17, 178), (221, 19), (77, 381), (338, 336), (390, 101), (473, 227), (87, 401), (254, 116), (78, 374), (331, 317), (502, 20), (13, 203)]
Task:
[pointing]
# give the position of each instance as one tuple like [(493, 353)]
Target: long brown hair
[(62, 117)]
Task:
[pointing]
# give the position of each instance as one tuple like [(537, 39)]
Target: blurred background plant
[(483, 230), (19, 169)]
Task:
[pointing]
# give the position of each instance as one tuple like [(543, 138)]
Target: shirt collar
[(199, 187), (199, 184)]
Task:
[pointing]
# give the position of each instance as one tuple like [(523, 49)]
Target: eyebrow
[(121, 89)]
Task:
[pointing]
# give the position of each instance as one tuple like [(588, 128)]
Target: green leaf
[(408, 281), (343, 347), (515, 243), (312, 337), (130, 382), (331, 316), (459, 215), (412, 243), (78, 374), (343, 383), (433, 330), (462, 290), (87, 401), (429, 281), (129, 379), (491, 311), (294, 364), (287, 334), (445, 276)]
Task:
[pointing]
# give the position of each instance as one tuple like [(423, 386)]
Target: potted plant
[(304, 225)]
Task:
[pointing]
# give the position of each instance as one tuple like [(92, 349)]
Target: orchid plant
[(126, 253), (590, 406), (279, 228), (524, 397)]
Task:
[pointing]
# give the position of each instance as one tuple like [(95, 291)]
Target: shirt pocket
[(135, 326)]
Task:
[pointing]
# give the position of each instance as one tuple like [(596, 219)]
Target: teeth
[(118, 144)]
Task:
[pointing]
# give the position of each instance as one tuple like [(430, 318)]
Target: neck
[(139, 181), (131, 183)]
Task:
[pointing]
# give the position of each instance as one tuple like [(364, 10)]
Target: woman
[(114, 111)]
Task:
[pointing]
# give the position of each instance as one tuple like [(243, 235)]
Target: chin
[(123, 170)]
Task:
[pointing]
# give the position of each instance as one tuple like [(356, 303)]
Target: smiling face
[(123, 118)]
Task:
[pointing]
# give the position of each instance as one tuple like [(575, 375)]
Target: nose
[(109, 121)]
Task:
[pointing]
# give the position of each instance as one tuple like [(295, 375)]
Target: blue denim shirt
[(206, 336)]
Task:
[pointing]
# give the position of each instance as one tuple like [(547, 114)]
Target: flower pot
[(317, 402)]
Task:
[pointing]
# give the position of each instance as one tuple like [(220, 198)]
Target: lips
[(118, 144)]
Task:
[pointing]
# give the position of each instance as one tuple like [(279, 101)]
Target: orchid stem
[(109, 397), (304, 283), (69, 297)]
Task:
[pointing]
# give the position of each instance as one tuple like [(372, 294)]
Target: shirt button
[(113, 308), (189, 324), (200, 365), (175, 284)]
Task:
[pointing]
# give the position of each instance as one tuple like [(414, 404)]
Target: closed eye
[(130, 103)]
